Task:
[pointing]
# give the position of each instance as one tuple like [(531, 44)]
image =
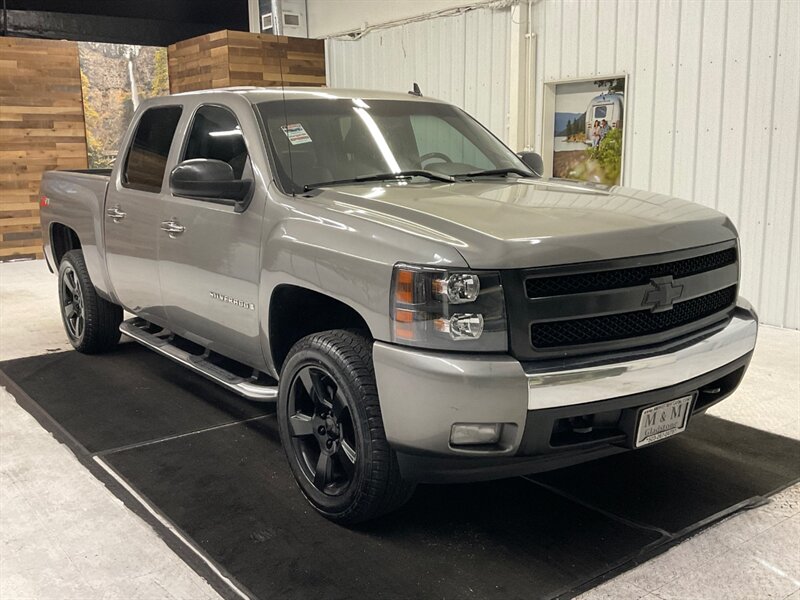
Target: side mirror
[(209, 179), (533, 161)]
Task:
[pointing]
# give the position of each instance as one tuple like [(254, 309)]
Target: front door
[(209, 254), (133, 214)]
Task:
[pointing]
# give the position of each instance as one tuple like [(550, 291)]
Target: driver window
[(217, 134), (441, 141)]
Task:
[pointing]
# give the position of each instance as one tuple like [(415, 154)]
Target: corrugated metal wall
[(712, 113), (713, 110), (461, 59)]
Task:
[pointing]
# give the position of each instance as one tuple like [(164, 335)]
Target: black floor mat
[(125, 397), (674, 485), (510, 539), (229, 489)]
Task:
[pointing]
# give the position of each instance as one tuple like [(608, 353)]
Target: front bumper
[(424, 393)]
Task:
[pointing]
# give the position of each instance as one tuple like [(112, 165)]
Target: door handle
[(116, 214), (172, 227)]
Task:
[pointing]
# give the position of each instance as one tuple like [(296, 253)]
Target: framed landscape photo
[(586, 129), (114, 79)]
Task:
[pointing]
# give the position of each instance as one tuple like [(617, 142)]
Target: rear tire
[(332, 431), (91, 322)]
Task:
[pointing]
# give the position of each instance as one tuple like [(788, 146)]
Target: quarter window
[(216, 134), (147, 158)]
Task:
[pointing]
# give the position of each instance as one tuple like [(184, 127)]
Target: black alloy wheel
[(71, 296), (91, 322), (322, 430), (331, 428)]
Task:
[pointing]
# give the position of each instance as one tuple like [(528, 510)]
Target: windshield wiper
[(491, 172), (382, 177)]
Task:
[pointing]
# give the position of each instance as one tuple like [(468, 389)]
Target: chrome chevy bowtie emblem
[(663, 294)]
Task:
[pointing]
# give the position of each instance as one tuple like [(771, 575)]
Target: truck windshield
[(334, 141)]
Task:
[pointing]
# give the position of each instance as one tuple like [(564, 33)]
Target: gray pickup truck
[(420, 303)]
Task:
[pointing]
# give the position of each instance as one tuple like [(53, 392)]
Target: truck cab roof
[(257, 94)]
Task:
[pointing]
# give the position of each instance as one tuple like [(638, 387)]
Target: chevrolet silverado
[(421, 304)]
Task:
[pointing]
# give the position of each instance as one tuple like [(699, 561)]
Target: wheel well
[(295, 312), (64, 239)]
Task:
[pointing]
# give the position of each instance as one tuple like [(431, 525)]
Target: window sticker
[(296, 134)]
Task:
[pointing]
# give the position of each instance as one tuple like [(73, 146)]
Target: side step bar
[(161, 342)]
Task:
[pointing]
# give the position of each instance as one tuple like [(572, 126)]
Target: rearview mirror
[(533, 161), (209, 179)]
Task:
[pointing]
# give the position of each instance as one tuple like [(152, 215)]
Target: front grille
[(640, 323), (541, 287), (619, 304)]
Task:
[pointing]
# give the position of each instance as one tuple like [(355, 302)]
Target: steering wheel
[(438, 155)]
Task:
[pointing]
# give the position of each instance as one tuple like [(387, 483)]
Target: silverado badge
[(234, 301)]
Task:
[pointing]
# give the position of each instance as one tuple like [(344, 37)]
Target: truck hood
[(535, 223)]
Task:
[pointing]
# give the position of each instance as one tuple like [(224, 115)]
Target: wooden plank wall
[(257, 59), (228, 58), (41, 128), (199, 63)]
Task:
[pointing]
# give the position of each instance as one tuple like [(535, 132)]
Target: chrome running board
[(161, 342)]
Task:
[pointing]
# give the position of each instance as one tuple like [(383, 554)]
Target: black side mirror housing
[(209, 179), (533, 161)]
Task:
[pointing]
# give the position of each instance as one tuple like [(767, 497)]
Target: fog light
[(461, 326), (465, 434)]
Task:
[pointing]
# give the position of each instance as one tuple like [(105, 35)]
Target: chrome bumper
[(590, 383), (423, 394)]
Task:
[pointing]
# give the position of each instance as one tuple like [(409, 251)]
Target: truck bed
[(76, 200)]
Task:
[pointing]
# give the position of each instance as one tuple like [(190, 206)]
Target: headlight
[(448, 309)]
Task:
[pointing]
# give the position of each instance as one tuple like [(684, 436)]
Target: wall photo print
[(115, 78), (588, 130)]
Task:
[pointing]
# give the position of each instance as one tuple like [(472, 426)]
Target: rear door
[(210, 270), (133, 213)]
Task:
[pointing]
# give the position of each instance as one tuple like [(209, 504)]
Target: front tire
[(332, 431), (91, 322)]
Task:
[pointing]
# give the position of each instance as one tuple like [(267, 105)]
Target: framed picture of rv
[(584, 129)]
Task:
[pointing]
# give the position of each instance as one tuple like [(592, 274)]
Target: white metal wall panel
[(782, 227), (462, 59), (605, 55), (570, 37), (665, 73), (638, 116), (756, 167), (710, 94), (687, 102), (712, 113)]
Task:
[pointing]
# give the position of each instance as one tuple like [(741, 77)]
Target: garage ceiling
[(147, 22)]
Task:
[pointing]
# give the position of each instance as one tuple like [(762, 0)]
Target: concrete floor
[(64, 536)]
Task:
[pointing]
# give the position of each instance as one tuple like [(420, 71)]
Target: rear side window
[(147, 158), (216, 134)]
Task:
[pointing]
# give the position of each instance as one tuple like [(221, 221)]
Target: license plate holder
[(662, 421)]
